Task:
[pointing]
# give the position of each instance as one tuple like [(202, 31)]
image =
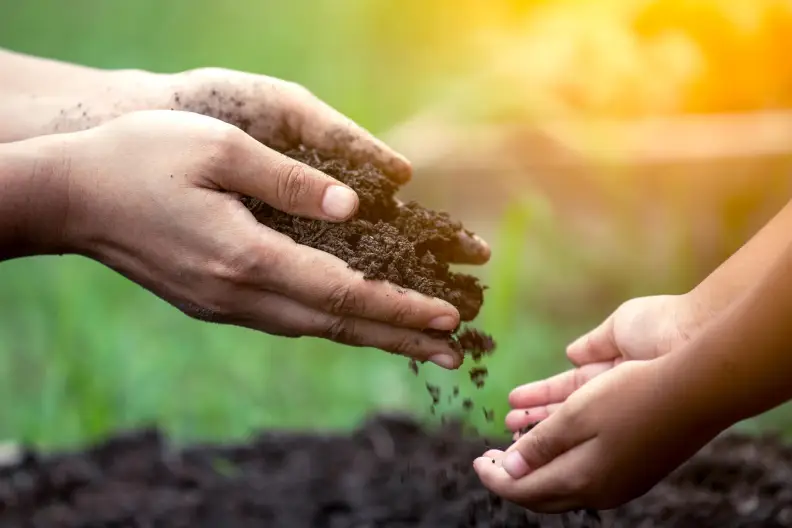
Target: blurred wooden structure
[(713, 178)]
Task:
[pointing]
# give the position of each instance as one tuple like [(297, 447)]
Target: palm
[(640, 329), (647, 327)]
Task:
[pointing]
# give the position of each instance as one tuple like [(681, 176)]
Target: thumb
[(594, 347), (286, 184), (541, 445)]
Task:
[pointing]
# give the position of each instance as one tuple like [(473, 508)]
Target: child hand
[(640, 329), (610, 442)]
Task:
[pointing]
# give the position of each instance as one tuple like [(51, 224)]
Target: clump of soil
[(405, 244), (390, 473)]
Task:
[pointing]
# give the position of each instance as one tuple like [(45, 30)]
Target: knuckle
[(402, 313), (340, 330), (249, 267), (293, 185), (540, 447), (245, 265), (343, 300), (578, 379), (405, 345), (222, 146)]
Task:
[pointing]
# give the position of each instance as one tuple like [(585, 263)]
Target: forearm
[(745, 268), (34, 197), (42, 96), (741, 363)]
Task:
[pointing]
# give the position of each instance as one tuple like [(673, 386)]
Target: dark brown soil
[(389, 473), (407, 245)]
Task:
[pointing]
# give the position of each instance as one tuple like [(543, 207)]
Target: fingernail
[(339, 202), (444, 360), (444, 322), (515, 465)]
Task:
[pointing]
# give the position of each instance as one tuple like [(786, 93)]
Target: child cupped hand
[(654, 383)]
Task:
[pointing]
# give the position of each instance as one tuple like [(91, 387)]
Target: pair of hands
[(153, 192), (608, 430)]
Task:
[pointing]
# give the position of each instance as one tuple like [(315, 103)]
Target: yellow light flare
[(641, 57)]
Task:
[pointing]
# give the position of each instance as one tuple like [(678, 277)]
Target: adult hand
[(612, 440), (644, 328), (155, 196), (51, 97), (281, 114)]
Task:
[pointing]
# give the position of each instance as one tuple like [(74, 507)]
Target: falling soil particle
[(475, 344), (434, 392), (413, 366), (478, 375), (489, 415)]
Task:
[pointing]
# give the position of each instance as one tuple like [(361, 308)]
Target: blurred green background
[(84, 352)]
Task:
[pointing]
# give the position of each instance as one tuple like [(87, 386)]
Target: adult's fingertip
[(471, 249), (339, 202), (399, 168), (446, 361), (444, 323)]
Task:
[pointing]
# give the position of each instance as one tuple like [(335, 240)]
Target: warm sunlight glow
[(639, 57)]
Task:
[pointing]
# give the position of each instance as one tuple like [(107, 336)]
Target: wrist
[(696, 390), (695, 311), (83, 99), (36, 198)]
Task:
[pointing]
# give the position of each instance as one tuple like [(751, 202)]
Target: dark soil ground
[(391, 472)]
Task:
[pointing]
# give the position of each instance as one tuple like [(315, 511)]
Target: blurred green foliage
[(84, 352)]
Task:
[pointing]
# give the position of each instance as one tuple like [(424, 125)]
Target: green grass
[(84, 352)]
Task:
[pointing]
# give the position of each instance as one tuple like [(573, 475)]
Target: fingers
[(519, 418), (551, 489), (324, 282), (279, 315), (250, 168), (495, 454), (543, 444), (471, 250), (557, 388), (327, 130), (595, 346)]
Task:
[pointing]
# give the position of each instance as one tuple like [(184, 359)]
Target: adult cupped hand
[(155, 196), (277, 113)]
